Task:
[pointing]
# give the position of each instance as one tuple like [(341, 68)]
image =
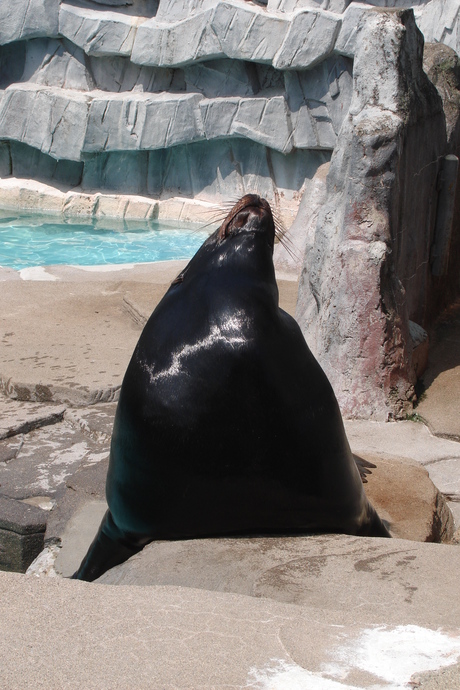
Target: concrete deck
[(325, 612)]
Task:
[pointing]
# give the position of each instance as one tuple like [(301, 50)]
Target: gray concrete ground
[(325, 612)]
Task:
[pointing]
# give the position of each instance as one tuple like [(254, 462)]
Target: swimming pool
[(29, 241)]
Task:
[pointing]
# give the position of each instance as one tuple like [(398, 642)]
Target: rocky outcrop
[(217, 100), (368, 270), (210, 99)]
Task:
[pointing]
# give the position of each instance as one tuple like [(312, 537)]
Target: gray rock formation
[(210, 99), (367, 262)]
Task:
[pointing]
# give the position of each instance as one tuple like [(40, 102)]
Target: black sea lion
[(226, 424)]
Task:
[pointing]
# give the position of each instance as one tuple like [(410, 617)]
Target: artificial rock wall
[(321, 106)]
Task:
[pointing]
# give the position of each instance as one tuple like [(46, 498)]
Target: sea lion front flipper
[(364, 467), (109, 548)]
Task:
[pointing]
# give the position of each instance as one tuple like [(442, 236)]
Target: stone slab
[(48, 457), (21, 518), (241, 32), (186, 638), (405, 440), (351, 28), (22, 532), (405, 496), (78, 535), (446, 475), (98, 32), (20, 417), (309, 571), (70, 123), (59, 118), (20, 20), (17, 551)]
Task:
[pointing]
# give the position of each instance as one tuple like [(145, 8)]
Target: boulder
[(327, 572)]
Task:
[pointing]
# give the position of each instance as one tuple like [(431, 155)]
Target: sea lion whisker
[(277, 218), (285, 240), (220, 214), (279, 225), (293, 251), (282, 231), (205, 226), (284, 237)]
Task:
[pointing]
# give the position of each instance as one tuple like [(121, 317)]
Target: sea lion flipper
[(364, 467), (373, 525), (109, 548)]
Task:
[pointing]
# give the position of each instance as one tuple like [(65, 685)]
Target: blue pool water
[(28, 242)]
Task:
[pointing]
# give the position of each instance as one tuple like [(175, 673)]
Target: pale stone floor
[(330, 612)]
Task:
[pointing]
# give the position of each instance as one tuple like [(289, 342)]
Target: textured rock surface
[(366, 272), (295, 570), (306, 114), (20, 20), (97, 32), (47, 458), (183, 638), (440, 22)]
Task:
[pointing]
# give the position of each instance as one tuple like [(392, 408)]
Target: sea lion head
[(251, 214), (244, 242)]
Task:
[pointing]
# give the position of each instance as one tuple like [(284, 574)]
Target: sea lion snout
[(251, 212)]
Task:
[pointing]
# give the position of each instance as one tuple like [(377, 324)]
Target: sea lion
[(226, 424)]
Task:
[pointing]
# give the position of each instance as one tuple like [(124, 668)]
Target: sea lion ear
[(222, 233), (179, 278)]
